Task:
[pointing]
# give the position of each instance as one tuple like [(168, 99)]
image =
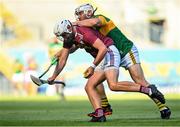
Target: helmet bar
[(84, 8), (62, 27)]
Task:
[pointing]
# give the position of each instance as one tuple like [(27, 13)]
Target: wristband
[(93, 66)]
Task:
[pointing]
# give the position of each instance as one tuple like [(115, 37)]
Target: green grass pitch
[(52, 112)]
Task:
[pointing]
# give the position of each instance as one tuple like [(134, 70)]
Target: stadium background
[(26, 28)]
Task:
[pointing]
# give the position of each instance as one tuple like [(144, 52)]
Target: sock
[(104, 102), (99, 112), (159, 104), (145, 90)]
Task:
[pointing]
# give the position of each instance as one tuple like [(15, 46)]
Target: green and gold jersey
[(108, 28)]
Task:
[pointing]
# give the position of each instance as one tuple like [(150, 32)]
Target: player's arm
[(102, 49), (71, 50), (61, 63), (89, 22)]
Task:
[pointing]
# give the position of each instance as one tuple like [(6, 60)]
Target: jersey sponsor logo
[(79, 38), (81, 44)]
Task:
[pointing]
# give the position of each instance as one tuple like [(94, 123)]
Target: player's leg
[(112, 77), (111, 68), (132, 63), (137, 75), (60, 91), (60, 87), (94, 97), (90, 88), (111, 74), (104, 101), (114, 85)]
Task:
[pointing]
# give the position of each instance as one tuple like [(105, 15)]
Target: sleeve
[(69, 41), (102, 19), (67, 45), (89, 36)]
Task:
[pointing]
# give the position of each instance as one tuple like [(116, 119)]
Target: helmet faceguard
[(64, 32), (62, 27), (85, 8)]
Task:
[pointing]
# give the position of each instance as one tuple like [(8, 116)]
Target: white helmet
[(84, 8), (62, 26)]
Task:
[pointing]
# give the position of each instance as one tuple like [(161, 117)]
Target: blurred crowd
[(21, 78), (22, 68)]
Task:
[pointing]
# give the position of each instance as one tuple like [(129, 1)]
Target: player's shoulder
[(83, 29), (102, 17)]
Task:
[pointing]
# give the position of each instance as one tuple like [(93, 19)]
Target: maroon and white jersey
[(87, 36)]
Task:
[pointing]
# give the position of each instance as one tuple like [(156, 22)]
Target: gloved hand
[(89, 72)]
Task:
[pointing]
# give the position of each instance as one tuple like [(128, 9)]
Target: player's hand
[(51, 80), (89, 72)]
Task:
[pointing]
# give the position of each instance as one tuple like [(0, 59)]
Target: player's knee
[(87, 88), (112, 86)]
